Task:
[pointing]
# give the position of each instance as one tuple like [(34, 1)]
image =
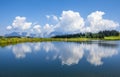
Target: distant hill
[(18, 34), (100, 34), (13, 34)]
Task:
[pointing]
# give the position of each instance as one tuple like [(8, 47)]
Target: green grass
[(112, 38), (9, 41), (76, 39)]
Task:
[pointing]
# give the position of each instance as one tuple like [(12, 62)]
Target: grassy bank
[(14, 40), (112, 38), (9, 41)]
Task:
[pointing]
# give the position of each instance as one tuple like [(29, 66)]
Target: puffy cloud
[(53, 17), (48, 29), (70, 21), (43, 31), (37, 28), (95, 16), (20, 23), (95, 22), (9, 27)]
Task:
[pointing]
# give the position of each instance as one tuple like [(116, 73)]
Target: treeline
[(100, 34), (1, 36)]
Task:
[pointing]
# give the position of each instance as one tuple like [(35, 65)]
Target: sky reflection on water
[(68, 53)]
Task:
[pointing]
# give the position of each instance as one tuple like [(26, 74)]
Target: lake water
[(61, 59)]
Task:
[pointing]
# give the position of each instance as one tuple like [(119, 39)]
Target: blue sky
[(35, 11)]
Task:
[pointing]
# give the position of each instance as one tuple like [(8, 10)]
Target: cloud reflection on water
[(21, 50), (68, 53), (97, 53)]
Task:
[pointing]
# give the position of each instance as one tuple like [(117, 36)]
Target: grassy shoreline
[(14, 40), (112, 38), (10, 41)]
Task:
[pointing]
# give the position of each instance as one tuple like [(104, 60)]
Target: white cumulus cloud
[(9, 27), (53, 17), (20, 23), (43, 31), (70, 21), (95, 22), (37, 28), (48, 29)]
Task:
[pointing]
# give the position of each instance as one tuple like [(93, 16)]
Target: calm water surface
[(61, 59)]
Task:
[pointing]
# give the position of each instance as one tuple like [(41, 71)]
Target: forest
[(100, 34)]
